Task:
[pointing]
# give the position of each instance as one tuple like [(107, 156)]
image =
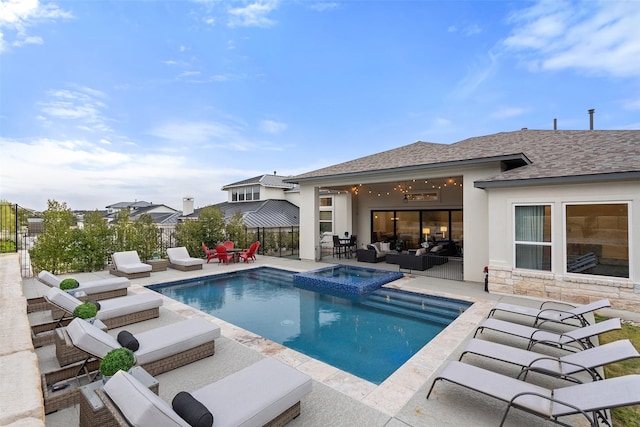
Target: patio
[(337, 398)]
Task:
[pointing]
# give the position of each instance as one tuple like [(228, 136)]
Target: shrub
[(86, 310), (69, 283), (116, 360)]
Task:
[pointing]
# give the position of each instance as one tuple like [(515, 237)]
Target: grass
[(630, 415)]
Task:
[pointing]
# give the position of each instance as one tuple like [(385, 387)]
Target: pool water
[(344, 279), (369, 337)]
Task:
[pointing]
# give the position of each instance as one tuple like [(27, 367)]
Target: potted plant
[(68, 284), (86, 310), (118, 359)]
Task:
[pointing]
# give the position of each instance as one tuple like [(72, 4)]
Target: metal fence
[(14, 237)]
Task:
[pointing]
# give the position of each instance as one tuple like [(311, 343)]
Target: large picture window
[(597, 238), (533, 237)]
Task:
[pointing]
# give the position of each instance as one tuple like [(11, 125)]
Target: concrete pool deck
[(338, 398)]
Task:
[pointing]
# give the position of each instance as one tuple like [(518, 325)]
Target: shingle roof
[(551, 154), (266, 213)]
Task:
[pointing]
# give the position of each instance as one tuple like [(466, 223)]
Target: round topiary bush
[(86, 310), (69, 283), (119, 359)]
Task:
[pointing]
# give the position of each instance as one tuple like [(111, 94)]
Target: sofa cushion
[(90, 338), (114, 307), (421, 252), (385, 246)]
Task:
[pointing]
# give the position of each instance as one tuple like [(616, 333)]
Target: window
[(234, 194), (597, 239), (256, 192), (326, 215), (533, 237)]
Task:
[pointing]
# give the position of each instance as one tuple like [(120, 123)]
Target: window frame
[(532, 243)]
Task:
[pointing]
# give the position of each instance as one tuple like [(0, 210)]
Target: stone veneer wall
[(623, 294), (21, 401)]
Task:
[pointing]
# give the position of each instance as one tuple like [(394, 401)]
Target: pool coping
[(395, 392)]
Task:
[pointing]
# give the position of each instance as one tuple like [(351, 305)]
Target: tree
[(236, 230), (93, 244), (52, 249), (208, 229), (144, 237)]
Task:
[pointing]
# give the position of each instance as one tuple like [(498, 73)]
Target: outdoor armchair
[(128, 264), (589, 399), (223, 255), (180, 259), (209, 253)]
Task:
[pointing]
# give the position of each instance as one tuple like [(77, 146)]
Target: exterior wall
[(578, 288), (309, 235), (292, 197), (268, 193)]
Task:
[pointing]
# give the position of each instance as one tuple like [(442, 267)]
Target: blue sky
[(109, 101)]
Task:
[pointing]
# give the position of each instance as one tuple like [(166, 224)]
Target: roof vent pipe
[(591, 111), (555, 124)]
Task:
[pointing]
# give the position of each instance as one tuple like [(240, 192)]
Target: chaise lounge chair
[(594, 397), (562, 367), (94, 289), (127, 264), (114, 312), (553, 314), (159, 350), (267, 393), (573, 340), (180, 259)]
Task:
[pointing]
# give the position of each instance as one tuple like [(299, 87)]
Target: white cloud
[(82, 106), (472, 30), (253, 15), (18, 15), (325, 6), (269, 126), (598, 37)]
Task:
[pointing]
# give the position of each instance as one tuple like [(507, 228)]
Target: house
[(163, 216), (554, 214)]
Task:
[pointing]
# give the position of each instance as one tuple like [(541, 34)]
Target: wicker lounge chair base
[(41, 304), (186, 267), (130, 275), (44, 333), (69, 396)]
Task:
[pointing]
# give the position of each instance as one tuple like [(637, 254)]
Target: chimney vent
[(555, 124), (591, 111)]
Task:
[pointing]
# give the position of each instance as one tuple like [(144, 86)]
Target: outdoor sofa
[(267, 393), (180, 259), (127, 264), (373, 252)]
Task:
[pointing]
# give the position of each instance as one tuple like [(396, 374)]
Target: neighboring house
[(264, 201), (163, 216), (554, 214)]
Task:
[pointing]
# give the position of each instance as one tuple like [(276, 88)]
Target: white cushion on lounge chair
[(129, 262), (139, 405), (180, 256), (155, 344), (109, 308), (255, 395), (89, 287), (250, 397)]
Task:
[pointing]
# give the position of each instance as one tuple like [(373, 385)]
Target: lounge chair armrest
[(569, 315), (513, 402), (532, 368), (556, 302)]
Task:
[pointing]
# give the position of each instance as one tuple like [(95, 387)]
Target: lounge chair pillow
[(372, 248), (126, 339), (436, 248), (421, 251), (191, 410), (385, 246)]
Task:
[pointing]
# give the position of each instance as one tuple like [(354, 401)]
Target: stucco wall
[(578, 288)]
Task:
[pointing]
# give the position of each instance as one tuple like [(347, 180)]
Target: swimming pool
[(370, 336)]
